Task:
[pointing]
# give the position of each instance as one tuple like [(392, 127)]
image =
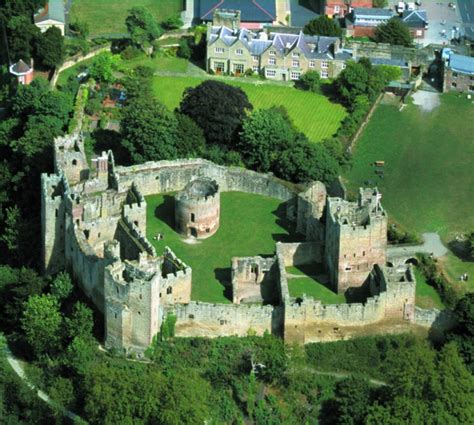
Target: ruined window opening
[(354, 255), (193, 218), (140, 296), (208, 230), (363, 253), (254, 268), (115, 314), (74, 162), (191, 316), (348, 268), (117, 289), (77, 221), (222, 322), (86, 234), (345, 256), (136, 223), (139, 313), (169, 290), (56, 212), (160, 294)]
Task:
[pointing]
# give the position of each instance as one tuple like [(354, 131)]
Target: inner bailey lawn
[(249, 225)]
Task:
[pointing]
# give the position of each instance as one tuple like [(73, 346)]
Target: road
[(466, 11), (431, 244)]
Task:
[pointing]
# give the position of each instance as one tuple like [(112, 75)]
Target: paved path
[(431, 244), (16, 366)]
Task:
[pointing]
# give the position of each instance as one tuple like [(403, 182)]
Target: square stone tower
[(356, 238)]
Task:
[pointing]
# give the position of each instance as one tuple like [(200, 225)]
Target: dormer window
[(239, 52), (255, 58), (271, 53), (295, 55), (219, 50)]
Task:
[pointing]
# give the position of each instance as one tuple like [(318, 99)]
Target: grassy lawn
[(312, 114), (426, 295), (428, 184), (73, 71), (108, 16), (158, 63), (306, 283), (250, 225)]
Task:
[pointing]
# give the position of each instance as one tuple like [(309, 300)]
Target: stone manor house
[(279, 56), (94, 225)]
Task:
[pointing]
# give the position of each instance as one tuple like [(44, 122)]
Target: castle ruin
[(94, 225)]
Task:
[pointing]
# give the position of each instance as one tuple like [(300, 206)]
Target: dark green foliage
[(103, 67), (304, 162), (50, 47), (265, 133), (393, 32), (397, 236), (184, 51), (150, 131), (61, 287), (436, 279), (21, 36), (142, 26), (167, 327), (323, 25), (93, 106), (380, 3), (79, 29), (310, 81), (463, 332), (352, 398), (192, 143), (218, 109), (172, 23)]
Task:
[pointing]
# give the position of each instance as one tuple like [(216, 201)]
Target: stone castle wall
[(214, 320)]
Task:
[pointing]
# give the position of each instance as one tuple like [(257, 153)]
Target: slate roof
[(363, 12), (313, 47), (415, 18), (460, 63), (53, 10), (20, 67), (250, 10)]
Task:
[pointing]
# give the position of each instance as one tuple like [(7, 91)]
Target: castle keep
[(94, 225)]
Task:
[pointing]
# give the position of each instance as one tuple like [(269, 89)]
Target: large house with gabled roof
[(278, 56)]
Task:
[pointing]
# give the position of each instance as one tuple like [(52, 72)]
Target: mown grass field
[(428, 183), (302, 280), (312, 114), (426, 295), (108, 16), (250, 225)]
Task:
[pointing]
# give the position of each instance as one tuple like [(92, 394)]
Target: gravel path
[(426, 100), (431, 244)]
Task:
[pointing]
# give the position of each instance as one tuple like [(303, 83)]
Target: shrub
[(310, 81), (129, 53), (184, 51)]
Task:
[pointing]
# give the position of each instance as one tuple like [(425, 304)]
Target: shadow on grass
[(223, 275), (165, 211), (461, 250), (286, 224)]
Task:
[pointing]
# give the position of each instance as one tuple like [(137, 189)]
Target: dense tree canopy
[(50, 47), (310, 81), (218, 109), (142, 26), (323, 25), (103, 67), (393, 32)]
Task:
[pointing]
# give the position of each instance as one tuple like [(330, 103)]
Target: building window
[(311, 64), (193, 217), (239, 52), (270, 73), (255, 68), (453, 85), (219, 50), (325, 64), (455, 74), (295, 64), (471, 88), (169, 290), (255, 58), (271, 53), (219, 67), (238, 68), (271, 61), (295, 55), (337, 9), (419, 33), (324, 74), (295, 75)]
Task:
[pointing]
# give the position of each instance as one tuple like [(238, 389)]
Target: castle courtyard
[(250, 225)]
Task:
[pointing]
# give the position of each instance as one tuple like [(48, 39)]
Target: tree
[(351, 402), (310, 81), (61, 287), (191, 138), (150, 131), (323, 25), (184, 51), (379, 3), (142, 26), (217, 108), (305, 162), (393, 32), (50, 47), (463, 332), (41, 323), (265, 133), (80, 354), (81, 322), (21, 35), (173, 22), (352, 81), (103, 67)]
